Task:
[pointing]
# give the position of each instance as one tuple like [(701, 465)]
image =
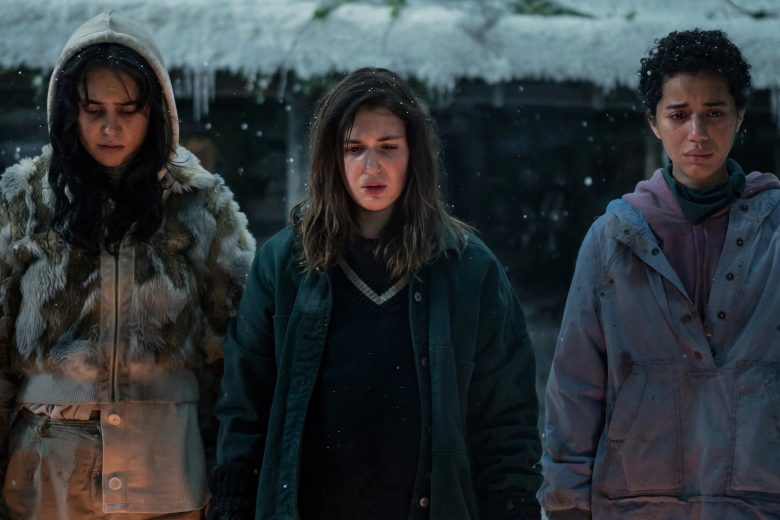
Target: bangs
[(122, 60)]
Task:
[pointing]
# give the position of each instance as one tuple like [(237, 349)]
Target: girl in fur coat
[(121, 260)]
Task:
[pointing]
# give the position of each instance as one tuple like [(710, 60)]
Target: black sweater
[(362, 434)]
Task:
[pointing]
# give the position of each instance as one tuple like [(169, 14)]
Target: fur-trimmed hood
[(112, 27), (186, 174)]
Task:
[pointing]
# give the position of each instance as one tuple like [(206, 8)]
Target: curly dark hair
[(689, 52), (81, 189)]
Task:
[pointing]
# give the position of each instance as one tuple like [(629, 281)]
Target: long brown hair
[(420, 226)]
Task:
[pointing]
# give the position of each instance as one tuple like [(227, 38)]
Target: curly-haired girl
[(662, 400)]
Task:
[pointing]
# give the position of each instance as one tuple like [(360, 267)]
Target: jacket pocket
[(642, 452), (756, 455), (20, 492), (450, 380)]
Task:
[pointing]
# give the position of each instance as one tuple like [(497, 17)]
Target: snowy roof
[(437, 42)]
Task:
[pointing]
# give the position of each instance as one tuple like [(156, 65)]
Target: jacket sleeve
[(247, 391), (503, 406), (9, 381), (575, 396), (227, 259), (227, 255)]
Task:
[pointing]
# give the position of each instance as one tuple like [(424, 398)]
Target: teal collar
[(697, 205)]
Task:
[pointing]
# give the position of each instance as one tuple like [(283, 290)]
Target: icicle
[(774, 104), (201, 86), (282, 87), (296, 169), (498, 99)]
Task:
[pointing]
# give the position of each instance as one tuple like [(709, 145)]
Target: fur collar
[(184, 174)]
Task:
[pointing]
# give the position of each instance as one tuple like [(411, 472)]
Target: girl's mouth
[(110, 147), (374, 189)]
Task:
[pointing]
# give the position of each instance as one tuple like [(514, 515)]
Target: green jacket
[(475, 374)]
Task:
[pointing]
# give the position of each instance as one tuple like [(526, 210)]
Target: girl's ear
[(740, 118), (653, 122)]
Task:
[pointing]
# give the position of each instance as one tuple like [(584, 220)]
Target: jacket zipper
[(116, 328)]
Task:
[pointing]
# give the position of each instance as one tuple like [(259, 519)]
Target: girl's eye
[(677, 116), (353, 149), (129, 109), (716, 113)]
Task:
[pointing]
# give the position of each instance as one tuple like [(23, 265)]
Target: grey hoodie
[(111, 27), (693, 250)]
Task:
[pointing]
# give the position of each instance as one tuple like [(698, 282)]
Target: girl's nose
[(109, 125), (698, 129), (372, 162)]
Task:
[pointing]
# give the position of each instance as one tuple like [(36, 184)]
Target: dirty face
[(697, 121), (376, 158), (111, 126)]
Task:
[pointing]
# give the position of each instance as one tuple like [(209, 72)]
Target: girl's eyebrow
[(716, 103), (96, 102), (385, 138)]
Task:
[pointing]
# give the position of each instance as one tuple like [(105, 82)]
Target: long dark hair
[(419, 225), (90, 212)]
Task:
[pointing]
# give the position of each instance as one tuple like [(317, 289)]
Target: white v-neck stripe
[(367, 291)]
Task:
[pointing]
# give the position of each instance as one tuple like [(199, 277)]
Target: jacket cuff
[(569, 514), (511, 504), (234, 492)]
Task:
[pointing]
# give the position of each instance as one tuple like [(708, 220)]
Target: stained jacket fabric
[(135, 335), (653, 410), (475, 373), (692, 250)]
